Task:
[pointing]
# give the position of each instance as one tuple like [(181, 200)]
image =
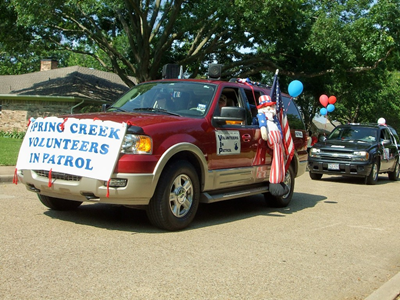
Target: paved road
[(339, 239)]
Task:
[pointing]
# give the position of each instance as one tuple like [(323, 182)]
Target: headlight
[(315, 152), (360, 155), (137, 144)]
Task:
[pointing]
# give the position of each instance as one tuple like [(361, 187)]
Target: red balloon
[(332, 100), (323, 99)]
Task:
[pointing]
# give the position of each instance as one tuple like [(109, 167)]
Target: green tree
[(342, 48), (302, 38)]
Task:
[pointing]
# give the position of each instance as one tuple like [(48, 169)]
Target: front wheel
[(282, 201), (396, 172), (58, 204), (372, 178), (176, 199)]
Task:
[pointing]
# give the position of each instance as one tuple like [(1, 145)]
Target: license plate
[(333, 166)]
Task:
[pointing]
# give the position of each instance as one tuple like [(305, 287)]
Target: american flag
[(281, 115)]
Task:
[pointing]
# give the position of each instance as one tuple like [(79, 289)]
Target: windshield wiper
[(157, 110), (117, 108)]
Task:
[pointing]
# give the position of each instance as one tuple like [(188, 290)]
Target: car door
[(263, 154), (235, 143), (235, 146), (389, 150)]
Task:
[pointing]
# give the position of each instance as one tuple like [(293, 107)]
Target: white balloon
[(381, 121)]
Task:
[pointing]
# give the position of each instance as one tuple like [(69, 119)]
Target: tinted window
[(365, 134), (293, 114), (395, 135), (385, 135), (252, 99), (292, 111)]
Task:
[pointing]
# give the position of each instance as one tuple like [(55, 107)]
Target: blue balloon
[(330, 107), (323, 111), (295, 88)]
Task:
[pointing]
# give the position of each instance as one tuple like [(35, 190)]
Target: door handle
[(246, 137)]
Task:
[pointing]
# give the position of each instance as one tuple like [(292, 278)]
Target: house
[(54, 91)]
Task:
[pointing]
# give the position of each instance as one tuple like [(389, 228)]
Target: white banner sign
[(88, 148)]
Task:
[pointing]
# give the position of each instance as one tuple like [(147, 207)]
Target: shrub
[(13, 134)]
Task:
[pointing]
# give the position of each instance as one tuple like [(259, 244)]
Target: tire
[(372, 178), (284, 200), (176, 198), (58, 204), (315, 176), (396, 172)]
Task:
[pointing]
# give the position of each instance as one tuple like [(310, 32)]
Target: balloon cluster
[(327, 103)]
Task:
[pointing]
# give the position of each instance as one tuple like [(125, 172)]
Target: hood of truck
[(135, 119), (344, 145)]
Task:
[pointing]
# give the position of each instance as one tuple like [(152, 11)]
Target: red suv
[(180, 148)]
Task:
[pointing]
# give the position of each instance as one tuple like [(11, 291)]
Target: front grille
[(57, 175), (336, 156)]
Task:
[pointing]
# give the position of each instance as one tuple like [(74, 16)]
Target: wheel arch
[(295, 163), (377, 158), (183, 151)]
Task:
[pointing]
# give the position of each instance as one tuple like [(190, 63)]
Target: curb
[(7, 174), (6, 178), (389, 291)]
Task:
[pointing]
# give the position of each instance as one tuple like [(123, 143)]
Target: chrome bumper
[(138, 190)]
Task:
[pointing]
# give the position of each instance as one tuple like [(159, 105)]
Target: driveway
[(338, 239)]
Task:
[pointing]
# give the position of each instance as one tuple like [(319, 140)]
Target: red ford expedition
[(180, 148)]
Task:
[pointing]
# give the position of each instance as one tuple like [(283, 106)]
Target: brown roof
[(70, 81)]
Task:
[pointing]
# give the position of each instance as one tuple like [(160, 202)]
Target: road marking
[(6, 196), (366, 227), (328, 226)]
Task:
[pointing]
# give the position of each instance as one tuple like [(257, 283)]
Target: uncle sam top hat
[(265, 100)]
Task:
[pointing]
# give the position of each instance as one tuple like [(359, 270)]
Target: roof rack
[(248, 82), (364, 124)]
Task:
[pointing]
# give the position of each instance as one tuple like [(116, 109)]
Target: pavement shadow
[(383, 179), (248, 207), (107, 216), (121, 218)]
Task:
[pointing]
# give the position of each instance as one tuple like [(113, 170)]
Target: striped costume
[(277, 172)]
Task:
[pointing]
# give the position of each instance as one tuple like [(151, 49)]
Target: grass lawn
[(9, 149)]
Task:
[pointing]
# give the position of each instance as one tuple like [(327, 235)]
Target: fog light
[(116, 182)]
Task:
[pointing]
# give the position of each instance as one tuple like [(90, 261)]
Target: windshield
[(364, 134), (179, 98)]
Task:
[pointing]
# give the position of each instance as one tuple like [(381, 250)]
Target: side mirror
[(104, 107), (230, 114), (322, 138)]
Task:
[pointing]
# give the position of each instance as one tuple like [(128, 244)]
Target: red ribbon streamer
[(50, 183), (108, 188), (62, 124), (15, 178)]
